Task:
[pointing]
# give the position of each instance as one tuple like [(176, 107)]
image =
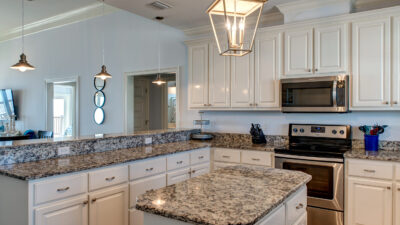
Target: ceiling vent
[(160, 5)]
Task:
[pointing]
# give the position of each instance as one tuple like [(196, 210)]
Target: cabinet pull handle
[(386, 103), (226, 156), (256, 104), (179, 162), (299, 206), (110, 178), (209, 105), (63, 189), (193, 171), (395, 103), (85, 202), (398, 189), (389, 188), (308, 70), (251, 104), (201, 157), (149, 169), (205, 104), (369, 171), (316, 69), (94, 200), (255, 159)]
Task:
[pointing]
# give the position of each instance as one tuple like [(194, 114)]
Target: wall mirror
[(99, 99), (99, 116), (99, 84)]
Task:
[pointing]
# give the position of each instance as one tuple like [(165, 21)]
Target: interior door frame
[(63, 80), (128, 88)]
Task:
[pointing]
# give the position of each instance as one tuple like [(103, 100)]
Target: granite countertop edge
[(381, 155)]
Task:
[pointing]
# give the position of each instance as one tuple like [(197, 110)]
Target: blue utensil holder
[(371, 142)]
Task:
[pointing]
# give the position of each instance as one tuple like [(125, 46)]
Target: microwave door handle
[(334, 93)]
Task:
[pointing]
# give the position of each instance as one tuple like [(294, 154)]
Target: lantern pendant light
[(228, 19), (22, 65), (103, 73), (159, 81)]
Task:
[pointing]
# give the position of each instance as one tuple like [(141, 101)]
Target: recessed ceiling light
[(160, 5)]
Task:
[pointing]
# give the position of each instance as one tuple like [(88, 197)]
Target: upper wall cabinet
[(242, 81), (371, 64), (267, 69), (318, 50), (396, 64), (198, 75), (219, 78)]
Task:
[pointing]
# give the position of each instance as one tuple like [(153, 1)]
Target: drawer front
[(108, 177), (398, 172), (257, 158), (296, 206), (59, 188), (200, 156), (177, 161), (370, 169), (200, 169), (139, 187), (148, 167), (218, 165), (227, 155), (178, 176)]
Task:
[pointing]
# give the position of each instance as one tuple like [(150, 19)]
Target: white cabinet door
[(330, 55), (299, 52), (219, 79), (109, 206), (276, 218), (139, 187), (69, 212), (199, 170), (396, 64), (178, 176), (371, 64), (302, 220), (242, 81), (369, 202), (198, 76), (267, 70), (397, 209)]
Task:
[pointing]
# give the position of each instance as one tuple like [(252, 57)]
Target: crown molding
[(81, 14)]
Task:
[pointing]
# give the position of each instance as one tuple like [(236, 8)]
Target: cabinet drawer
[(177, 161), (398, 171), (371, 169), (227, 155), (200, 156), (139, 187), (107, 177), (200, 169), (148, 167), (218, 165), (178, 176), (296, 206), (58, 188), (257, 158)]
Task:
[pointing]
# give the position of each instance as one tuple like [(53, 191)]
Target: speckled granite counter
[(57, 166), (234, 195), (381, 155)]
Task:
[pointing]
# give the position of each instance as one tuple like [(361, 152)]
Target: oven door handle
[(334, 93), (318, 159)]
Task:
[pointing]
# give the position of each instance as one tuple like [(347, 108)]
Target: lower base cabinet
[(397, 209), (302, 220), (109, 206), (369, 202), (73, 211)]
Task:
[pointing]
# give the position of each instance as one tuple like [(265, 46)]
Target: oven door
[(325, 190), (324, 94)]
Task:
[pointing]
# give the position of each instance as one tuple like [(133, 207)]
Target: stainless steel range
[(318, 150)]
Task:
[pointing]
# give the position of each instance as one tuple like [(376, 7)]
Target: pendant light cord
[(22, 28), (159, 48), (103, 34)]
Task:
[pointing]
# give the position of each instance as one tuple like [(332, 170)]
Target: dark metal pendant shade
[(103, 74), (23, 64), (159, 81)]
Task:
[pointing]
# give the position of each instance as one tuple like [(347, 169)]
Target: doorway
[(151, 106), (62, 108)]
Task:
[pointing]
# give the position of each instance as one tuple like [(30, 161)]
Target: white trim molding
[(73, 16)]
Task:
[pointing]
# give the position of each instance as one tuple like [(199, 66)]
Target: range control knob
[(295, 130), (334, 132), (342, 132), (301, 130)]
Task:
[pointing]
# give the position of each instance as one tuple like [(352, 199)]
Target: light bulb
[(22, 69), (241, 25)]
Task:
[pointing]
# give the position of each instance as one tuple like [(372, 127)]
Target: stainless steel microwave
[(321, 94)]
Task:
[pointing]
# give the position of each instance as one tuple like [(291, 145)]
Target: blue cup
[(371, 142)]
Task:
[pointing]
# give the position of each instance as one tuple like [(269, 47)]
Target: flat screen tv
[(6, 104)]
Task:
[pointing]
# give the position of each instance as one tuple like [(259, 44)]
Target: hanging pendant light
[(159, 81), (234, 37), (22, 65), (104, 75)]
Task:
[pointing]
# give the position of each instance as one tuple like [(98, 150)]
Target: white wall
[(75, 50)]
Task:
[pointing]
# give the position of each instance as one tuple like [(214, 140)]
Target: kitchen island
[(233, 195)]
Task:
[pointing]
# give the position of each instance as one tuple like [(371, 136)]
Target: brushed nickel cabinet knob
[(395, 103)]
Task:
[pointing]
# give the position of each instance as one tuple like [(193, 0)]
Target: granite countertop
[(381, 155), (51, 167), (233, 195), (246, 146)]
